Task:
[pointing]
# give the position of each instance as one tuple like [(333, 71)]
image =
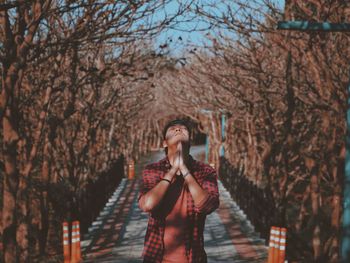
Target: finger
[(181, 155)]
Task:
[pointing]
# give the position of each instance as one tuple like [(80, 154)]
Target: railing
[(97, 192), (257, 203)]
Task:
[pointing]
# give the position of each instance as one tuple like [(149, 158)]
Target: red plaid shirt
[(206, 177)]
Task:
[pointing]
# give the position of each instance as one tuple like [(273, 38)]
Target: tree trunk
[(303, 210), (45, 174), (11, 175), (316, 237)]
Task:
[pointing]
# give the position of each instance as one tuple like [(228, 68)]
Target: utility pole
[(223, 127)]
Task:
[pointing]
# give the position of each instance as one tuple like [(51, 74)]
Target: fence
[(257, 203), (96, 193)]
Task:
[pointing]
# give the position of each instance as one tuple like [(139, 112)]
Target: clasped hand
[(179, 164)]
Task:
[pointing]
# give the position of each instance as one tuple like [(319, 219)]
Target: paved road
[(118, 233)]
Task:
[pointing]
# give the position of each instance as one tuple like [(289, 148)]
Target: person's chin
[(178, 139)]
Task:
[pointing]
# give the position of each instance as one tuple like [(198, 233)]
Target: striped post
[(276, 250), (271, 245), (277, 245), (282, 245), (131, 170), (66, 247), (76, 253)]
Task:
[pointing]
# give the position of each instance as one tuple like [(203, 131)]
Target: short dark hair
[(183, 122)]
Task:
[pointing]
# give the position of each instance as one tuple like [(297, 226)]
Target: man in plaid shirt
[(177, 192)]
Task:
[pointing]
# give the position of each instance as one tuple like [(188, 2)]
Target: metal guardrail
[(96, 193), (257, 203)]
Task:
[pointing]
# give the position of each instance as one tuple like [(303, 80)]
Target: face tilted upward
[(177, 133)]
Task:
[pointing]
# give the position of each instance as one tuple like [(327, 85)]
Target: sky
[(184, 34)]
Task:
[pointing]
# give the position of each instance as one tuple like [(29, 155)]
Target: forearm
[(153, 197), (205, 202), (197, 192)]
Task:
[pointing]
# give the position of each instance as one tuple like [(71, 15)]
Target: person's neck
[(172, 153)]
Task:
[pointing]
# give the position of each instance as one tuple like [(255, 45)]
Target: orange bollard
[(271, 245), (131, 170), (66, 247), (276, 250), (76, 253), (282, 245)]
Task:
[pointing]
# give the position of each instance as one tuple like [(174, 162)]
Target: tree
[(32, 34)]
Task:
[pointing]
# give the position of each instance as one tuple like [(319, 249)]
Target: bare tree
[(34, 34)]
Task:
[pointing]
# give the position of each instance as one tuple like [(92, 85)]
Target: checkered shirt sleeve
[(207, 179), (153, 240)]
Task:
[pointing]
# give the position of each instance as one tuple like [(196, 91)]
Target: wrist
[(184, 170), (166, 180), (185, 173), (170, 174)]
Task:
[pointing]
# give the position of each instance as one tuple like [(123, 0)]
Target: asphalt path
[(117, 235)]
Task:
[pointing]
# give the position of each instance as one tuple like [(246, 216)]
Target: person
[(177, 192)]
